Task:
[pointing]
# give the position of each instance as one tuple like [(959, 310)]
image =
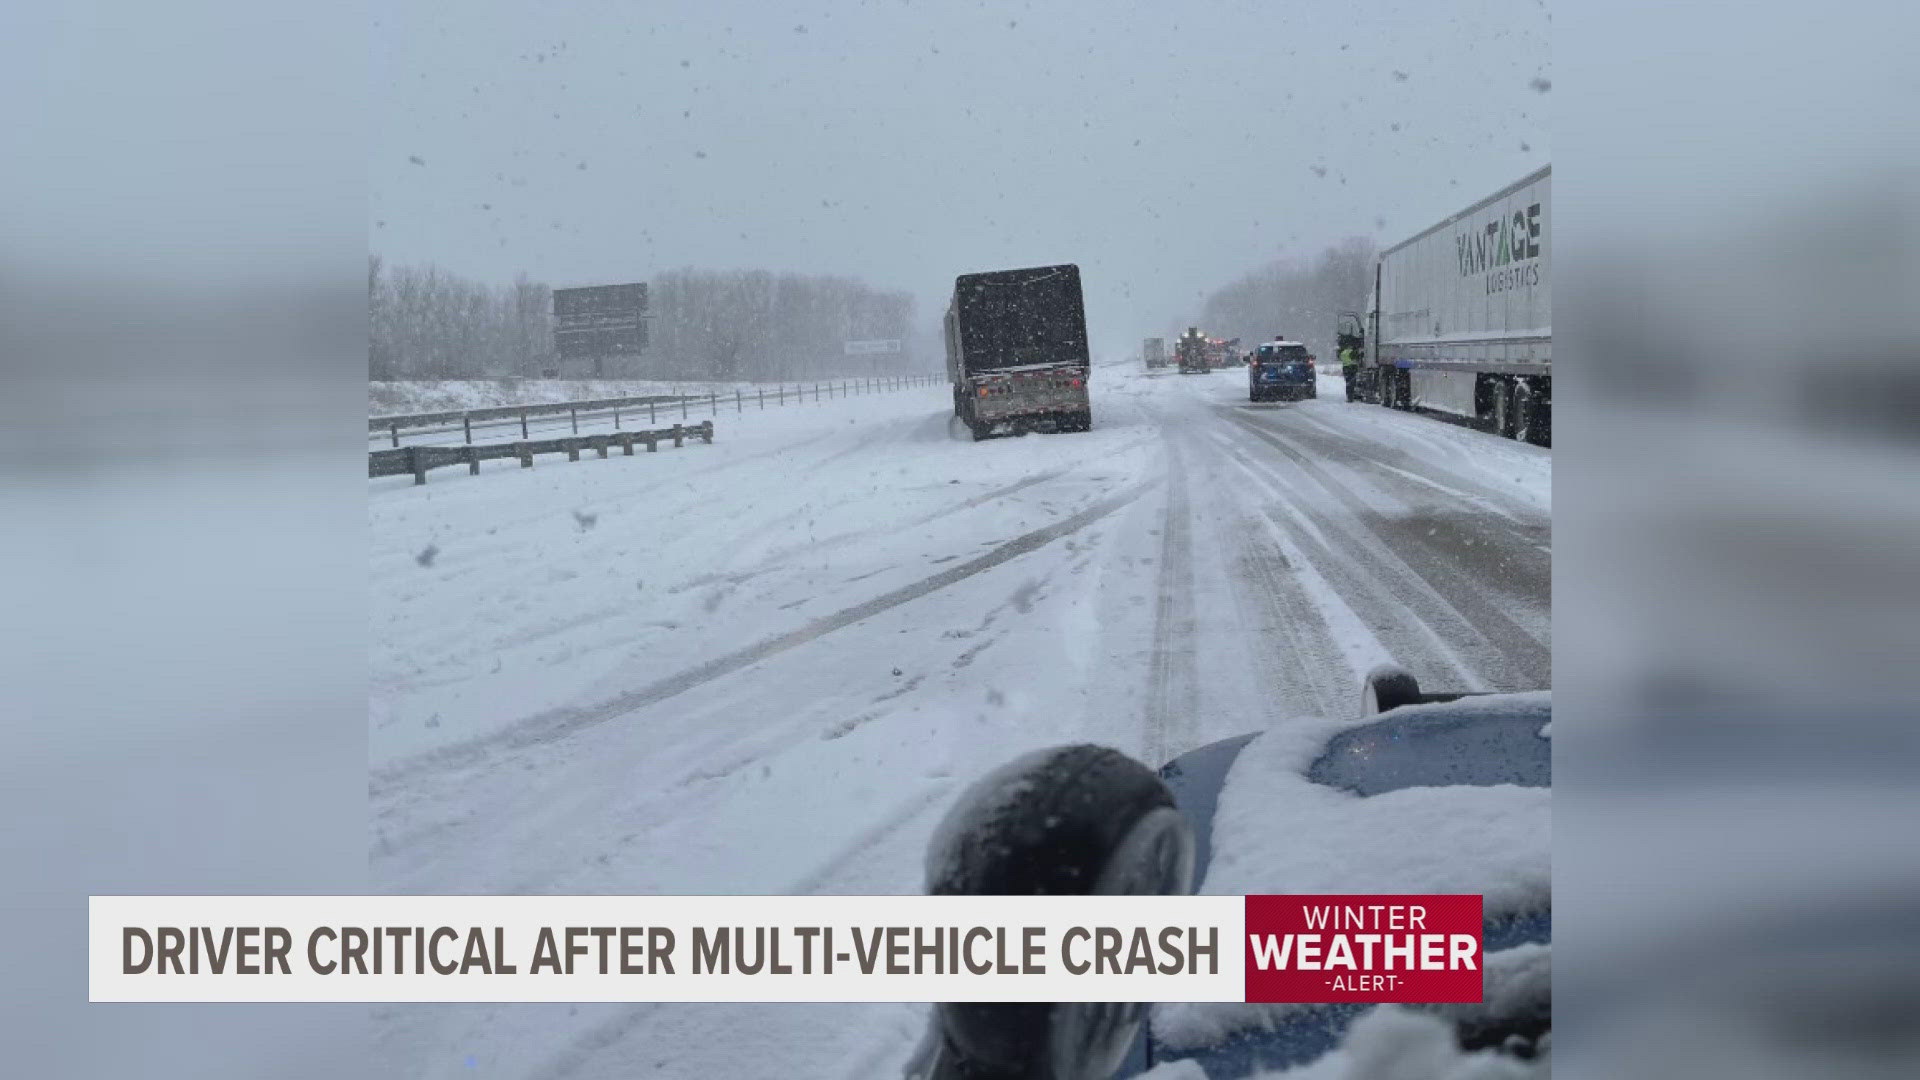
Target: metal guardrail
[(394, 425), (400, 422), (418, 459)]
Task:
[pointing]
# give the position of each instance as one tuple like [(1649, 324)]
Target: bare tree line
[(1300, 299), (426, 323), (754, 324)]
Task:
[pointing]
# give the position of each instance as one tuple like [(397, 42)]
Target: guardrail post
[(683, 406), (736, 401), (678, 436), (616, 419), (473, 462), (573, 449), (653, 442), (396, 436), (525, 454), (761, 394), (816, 393), (466, 423), (782, 391), (713, 404), (651, 419), (417, 464), (600, 444), (575, 414), (523, 425), (708, 433), (626, 443)]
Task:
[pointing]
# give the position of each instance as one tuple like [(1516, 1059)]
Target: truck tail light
[(983, 391)]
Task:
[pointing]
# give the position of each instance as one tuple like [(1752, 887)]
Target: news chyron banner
[(1368, 948)]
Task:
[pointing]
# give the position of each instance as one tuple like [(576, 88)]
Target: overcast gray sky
[(1166, 148)]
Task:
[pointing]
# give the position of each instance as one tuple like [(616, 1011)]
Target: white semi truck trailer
[(1460, 316)]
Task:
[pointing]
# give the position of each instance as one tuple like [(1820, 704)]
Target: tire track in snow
[(1427, 580), (862, 846), (1419, 453), (1173, 685), (1310, 673), (559, 723), (779, 557), (1411, 623)]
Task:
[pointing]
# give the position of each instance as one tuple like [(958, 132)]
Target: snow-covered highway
[(767, 665)]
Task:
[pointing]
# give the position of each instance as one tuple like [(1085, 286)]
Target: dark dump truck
[(1017, 351), (1191, 349)]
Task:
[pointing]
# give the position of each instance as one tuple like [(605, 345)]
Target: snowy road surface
[(767, 665)]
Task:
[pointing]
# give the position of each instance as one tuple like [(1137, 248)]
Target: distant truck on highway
[(1460, 316), (1017, 351), (1154, 352), (1191, 350)]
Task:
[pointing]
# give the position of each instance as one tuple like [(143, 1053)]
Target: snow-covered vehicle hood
[(1447, 797)]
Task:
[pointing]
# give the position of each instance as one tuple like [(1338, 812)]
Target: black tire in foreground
[(1070, 820)]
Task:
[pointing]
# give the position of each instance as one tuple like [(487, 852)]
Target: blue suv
[(1281, 371)]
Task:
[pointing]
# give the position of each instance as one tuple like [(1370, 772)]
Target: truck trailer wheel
[(1527, 413), (1502, 408)]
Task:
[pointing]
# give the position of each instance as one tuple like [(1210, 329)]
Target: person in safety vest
[(1349, 367)]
